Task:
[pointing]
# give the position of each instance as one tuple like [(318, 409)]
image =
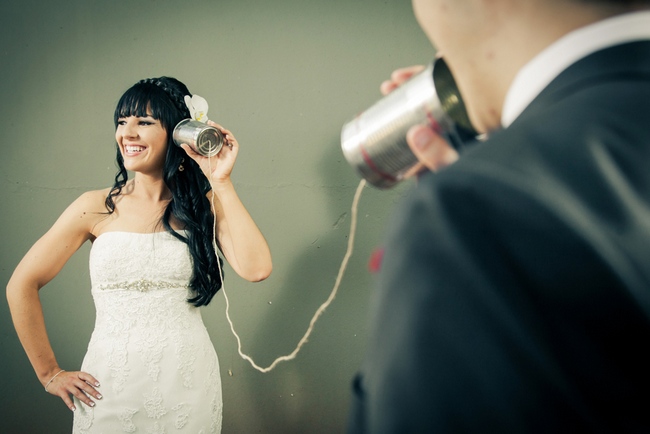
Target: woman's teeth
[(132, 148)]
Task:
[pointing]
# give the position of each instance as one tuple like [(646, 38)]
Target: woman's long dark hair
[(163, 98)]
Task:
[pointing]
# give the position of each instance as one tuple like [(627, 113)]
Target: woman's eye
[(121, 122)]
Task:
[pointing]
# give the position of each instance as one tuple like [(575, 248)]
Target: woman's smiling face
[(142, 142)]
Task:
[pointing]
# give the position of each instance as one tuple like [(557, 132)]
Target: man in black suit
[(514, 293)]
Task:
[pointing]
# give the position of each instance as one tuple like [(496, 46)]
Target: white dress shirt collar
[(549, 63)]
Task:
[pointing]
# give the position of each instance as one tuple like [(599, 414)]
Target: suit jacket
[(514, 295)]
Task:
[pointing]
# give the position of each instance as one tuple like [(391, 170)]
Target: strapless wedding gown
[(150, 350)]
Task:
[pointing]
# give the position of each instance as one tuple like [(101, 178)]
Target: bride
[(150, 364)]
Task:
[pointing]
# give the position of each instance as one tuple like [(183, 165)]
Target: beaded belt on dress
[(142, 285)]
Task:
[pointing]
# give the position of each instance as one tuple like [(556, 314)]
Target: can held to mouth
[(202, 138), (374, 142)]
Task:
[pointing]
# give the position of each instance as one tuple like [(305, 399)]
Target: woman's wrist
[(221, 185), (45, 376), (46, 385)]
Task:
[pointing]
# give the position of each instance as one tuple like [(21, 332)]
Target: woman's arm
[(40, 265), (240, 239)]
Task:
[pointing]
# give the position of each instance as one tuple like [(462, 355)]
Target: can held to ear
[(374, 142), (202, 138)]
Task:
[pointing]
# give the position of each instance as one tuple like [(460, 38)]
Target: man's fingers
[(430, 148)]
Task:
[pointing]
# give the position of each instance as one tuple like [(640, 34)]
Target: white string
[(319, 311)]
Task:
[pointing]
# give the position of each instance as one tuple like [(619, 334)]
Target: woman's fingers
[(81, 385), (68, 402), (229, 138), (218, 167), (88, 379)]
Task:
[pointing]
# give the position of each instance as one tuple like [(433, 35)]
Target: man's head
[(486, 42)]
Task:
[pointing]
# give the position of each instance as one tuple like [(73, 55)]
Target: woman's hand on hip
[(75, 383)]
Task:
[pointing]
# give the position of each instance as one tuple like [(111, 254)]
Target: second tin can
[(203, 138), (374, 142)]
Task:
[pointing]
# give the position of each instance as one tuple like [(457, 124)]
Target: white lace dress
[(150, 351)]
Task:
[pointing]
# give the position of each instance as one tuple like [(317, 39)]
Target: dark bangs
[(143, 96)]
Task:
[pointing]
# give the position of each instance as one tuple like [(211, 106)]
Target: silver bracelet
[(52, 379)]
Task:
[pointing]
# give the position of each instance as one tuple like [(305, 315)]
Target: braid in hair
[(174, 95), (163, 98)]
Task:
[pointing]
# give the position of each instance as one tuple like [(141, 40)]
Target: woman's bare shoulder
[(90, 211), (93, 200), (87, 210), (78, 220)]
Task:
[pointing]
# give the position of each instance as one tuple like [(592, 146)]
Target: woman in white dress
[(150, 365)]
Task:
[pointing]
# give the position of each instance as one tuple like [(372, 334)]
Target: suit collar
[(578, 44), (625, 61)]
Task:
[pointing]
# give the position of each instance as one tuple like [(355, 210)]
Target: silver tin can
[(374, 142), (203, 138)]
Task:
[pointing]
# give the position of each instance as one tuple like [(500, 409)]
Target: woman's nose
[(130, 129)]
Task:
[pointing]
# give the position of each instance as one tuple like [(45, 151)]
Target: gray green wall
[(283, 75)]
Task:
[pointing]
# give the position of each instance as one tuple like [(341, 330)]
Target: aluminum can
[(202, 138), (374, 142)]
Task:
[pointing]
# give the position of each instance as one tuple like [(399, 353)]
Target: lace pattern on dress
[(149, 349)]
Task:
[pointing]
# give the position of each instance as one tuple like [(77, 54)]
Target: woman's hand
[(218, 167), (76, 383)]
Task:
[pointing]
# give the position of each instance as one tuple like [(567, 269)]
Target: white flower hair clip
[(198, 107)]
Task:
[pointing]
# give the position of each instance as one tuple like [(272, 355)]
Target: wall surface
[(283, 75)]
